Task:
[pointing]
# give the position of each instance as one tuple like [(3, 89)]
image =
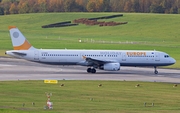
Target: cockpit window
[(166, 56)]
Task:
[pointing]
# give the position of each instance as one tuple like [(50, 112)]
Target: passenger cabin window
[(59, 55)]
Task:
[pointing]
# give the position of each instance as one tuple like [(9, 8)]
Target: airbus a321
[(108, 60)]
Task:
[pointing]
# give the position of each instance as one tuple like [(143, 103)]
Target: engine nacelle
[(111, 66)]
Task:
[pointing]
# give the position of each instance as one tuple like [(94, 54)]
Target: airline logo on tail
[(18, 40)]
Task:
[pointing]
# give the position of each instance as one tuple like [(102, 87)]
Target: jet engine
[(111, 67)]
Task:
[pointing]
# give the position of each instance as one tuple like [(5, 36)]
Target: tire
[(89, 70)]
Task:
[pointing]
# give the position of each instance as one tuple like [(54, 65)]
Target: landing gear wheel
[(93, 70), (89, 70), (155, 71)]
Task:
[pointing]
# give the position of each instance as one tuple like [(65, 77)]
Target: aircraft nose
[(173, 61)]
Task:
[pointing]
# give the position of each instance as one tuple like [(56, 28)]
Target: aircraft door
[(82, 56), (157, 57), (123, 56), (36, 55)]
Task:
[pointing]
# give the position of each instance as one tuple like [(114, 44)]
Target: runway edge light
[(51, 81)]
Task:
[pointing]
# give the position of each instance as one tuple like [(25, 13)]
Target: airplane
[(108, 60)]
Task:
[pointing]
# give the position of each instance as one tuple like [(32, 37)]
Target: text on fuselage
[(110, 53), (136, 53)]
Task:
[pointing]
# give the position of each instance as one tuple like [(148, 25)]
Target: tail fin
[(19, 42)]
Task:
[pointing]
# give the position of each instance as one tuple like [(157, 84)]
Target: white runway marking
[(2, 65)]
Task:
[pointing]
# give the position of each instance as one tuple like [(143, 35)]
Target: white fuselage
[(76, 57)]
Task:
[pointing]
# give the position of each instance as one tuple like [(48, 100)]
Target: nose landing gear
[(155, 70)]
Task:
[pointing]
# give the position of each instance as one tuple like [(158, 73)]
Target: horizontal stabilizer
[(20, 54)]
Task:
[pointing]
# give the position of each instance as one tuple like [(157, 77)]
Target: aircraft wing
[(98, 61)]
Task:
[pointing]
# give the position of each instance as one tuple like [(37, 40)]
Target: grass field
[(86, 96), (143, 32)]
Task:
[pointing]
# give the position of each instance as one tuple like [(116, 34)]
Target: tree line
[(41, 6)]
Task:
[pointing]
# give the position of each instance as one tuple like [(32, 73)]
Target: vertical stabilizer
[(19, 42)]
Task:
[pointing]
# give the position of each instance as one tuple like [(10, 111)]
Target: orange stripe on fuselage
[(24, 46)]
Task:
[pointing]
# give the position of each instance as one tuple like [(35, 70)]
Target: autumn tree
[(174, 10), (6, 6), (127, 7), (144, 6), (33, 6), (147, 4), (55, 6), (51, 5), (114, 5), (91, 6), (1, 9), (82, 4), (117, 5), (71, 5), (23, 6), (13, 8), (42, 6), (166, 4), (105, 6), (135, 6), (156, 9), (98, 5)]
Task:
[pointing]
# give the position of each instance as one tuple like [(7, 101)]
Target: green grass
[(86, 96), (148, 31)]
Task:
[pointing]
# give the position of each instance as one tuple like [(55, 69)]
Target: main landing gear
[(155, 70), (91, 70)]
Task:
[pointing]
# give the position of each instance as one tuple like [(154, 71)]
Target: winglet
[(10, 27)]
